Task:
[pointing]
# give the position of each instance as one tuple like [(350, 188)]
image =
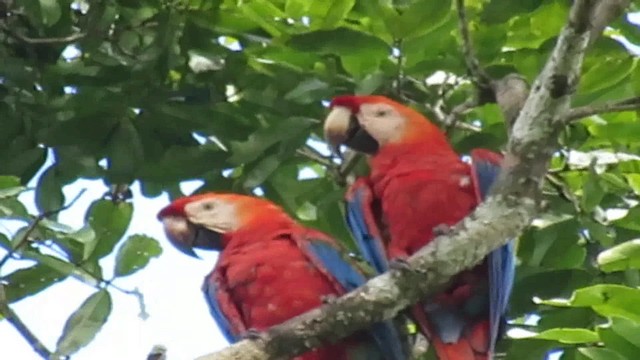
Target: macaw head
[(369, 123), (201, 221)]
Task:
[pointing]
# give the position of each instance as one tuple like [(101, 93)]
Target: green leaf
[(621, 257), (595, 353), (499, 11), (370, 83), (83, 325), (262, 139), (329, 13), (621, 335), (308, 91), (30, 281), (110, 221), (605, 299), (125, 153), (569, 336), (413, 21), (135, 253), (9, 182), (592, 191), (606, 73), (50, 11), (49, 194)]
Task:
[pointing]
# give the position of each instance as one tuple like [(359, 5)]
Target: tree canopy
[(233, 93)]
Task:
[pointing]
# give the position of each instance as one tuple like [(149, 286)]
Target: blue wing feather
[(385, 334), (501, 262), (370, 245), (210, 291)]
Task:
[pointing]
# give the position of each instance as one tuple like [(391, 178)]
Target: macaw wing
[(329, 258), (363, 226), (222, 308), (501, 262)]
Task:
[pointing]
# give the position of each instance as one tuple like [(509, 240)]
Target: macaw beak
[(185, 236), (341, 127)]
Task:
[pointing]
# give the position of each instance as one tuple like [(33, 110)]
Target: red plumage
[(265, 279), (418, 186), (270, 269)]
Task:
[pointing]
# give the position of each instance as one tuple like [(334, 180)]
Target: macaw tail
[(471, 343)]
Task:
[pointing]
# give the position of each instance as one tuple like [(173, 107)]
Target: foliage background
[(159, 93)]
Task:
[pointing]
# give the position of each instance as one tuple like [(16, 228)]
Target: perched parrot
[(270, 269), (417, 188)]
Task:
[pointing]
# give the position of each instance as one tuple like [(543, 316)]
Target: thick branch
[(603, 13), (533, 140), (608, 107)]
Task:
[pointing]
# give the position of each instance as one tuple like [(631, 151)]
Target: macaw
[(417, 188), (271, 269)]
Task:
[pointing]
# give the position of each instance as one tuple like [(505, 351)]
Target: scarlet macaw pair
[(272, 268)]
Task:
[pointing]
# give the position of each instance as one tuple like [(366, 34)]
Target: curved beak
[(185, 236), (341, 127)]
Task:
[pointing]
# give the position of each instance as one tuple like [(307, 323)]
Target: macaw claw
[(399, 264), (253, 334), (442, 229), (328, 299)]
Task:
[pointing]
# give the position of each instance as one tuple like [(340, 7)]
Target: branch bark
[(608, 107), (515, 196)]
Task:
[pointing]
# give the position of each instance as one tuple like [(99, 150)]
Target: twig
[(158, 352), (450, 121), (397, 44), (31, 228), (479, 76), (313, 155), (563, 191), (52, 40), (608, 107), (15, 321)]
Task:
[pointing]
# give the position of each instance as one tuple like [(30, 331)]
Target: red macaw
[(270, 269), (418, 186)]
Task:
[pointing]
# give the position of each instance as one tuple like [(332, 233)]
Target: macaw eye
[(380, 113), (207, 206)]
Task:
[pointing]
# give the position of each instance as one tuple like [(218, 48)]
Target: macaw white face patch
[(382, 121)]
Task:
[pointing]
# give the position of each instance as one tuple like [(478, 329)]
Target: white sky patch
[(258, 191), (320, 146), (70, 90), (71, 52), (189, 186), (307, 173)]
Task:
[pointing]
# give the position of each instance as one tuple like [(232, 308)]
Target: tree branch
[(15, 321), (603, 13), (608, 107), (479, 76), (533, 140), (31, 228)]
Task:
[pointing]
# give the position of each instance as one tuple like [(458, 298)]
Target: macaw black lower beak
[(360, 140), (202, 239)]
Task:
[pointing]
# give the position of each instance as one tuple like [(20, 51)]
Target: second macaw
[(270, 269), (418, 187)]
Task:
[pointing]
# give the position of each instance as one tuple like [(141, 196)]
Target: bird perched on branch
[(417, 188), (270, 269)]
